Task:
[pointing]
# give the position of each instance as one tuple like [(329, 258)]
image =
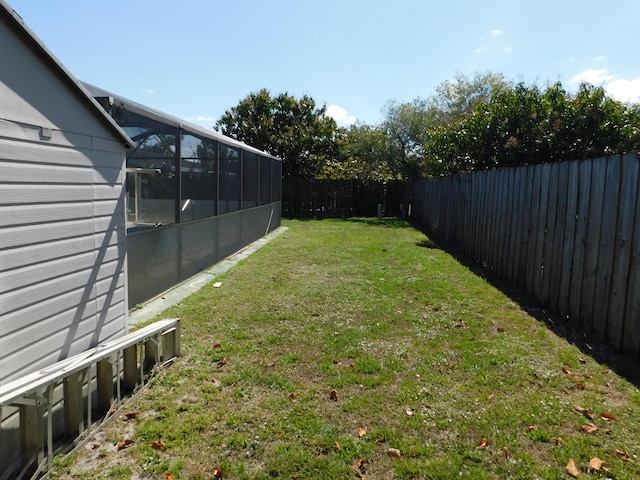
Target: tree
[(293, 129), (366, 153)]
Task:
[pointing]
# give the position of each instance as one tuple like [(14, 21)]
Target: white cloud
[(601, 58), (621, 89), (496, 33), (340, 115), (625, 90), (595, 77)]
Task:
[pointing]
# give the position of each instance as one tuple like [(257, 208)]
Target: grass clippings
[(360, 349)]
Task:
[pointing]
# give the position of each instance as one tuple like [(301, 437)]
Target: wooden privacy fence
[(566, 233), (313, 198)]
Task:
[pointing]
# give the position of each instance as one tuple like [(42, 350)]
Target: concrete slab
[(157, 305)]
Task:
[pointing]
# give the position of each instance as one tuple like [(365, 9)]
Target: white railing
[(108, 372)]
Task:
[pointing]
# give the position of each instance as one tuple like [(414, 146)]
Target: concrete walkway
[(181, 291)]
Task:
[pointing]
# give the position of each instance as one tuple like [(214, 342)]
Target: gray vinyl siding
[(62, 246)]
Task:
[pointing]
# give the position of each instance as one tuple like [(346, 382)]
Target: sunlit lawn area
[(359, 348)]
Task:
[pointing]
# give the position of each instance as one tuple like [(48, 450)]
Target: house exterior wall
[(62, 213)]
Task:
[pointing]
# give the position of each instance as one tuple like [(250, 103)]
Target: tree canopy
[(295, 130), (470, 123)]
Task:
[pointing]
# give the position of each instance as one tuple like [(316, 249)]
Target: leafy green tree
[(367, 153), (295, 130), (523, 125)]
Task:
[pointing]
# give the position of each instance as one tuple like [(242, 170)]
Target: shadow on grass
[(623, 365)]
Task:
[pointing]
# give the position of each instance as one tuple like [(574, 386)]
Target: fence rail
[(567, 233)]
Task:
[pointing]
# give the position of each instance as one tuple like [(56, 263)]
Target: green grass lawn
[(360, 349)]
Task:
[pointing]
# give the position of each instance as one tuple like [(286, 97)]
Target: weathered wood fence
[(566, 233), (304, 198)]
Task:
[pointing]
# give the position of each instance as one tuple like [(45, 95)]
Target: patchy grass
[(350, 348)]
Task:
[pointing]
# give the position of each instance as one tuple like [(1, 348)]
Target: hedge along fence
[(566, 233)]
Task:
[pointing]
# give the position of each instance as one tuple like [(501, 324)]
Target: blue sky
[(195, 59)]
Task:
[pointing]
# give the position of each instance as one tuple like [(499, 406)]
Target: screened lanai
[(193, 196)]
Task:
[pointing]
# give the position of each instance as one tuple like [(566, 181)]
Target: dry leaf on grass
[(393, 452), (624, 455), (596, 464), (482, 443), (585, 411), (572, 469), (589, 428), (223, 362), (333, 395), (158, 445), (124, 443), (409, 412), (607, 416), (130, 415), (169, 475), (362, 432), (218, 473)]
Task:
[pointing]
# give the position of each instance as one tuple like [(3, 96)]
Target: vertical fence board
[(549, 235), (540, 228), (532, 260), (580, 241), (505, 222), (525, 229), (606, 247), (592, 248), (568, 238), (555, 274), (622, 250), (511, 249)]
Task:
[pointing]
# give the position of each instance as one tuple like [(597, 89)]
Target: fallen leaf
[(507, 453), (501, 330), (359, 466), (338, 447), (292, 396), (95, 445), (608, 416), (623, 454), (581, 385), (124, 443), (585, 411), (596, 464), (272, 364), (158, 445), (217, 345), (460, 324), (558, 441), (169, 475), (582, 360), (218, 473), (590, 428), (393, 452), (568, 372), (409, 412), (436, 309), (223, 362), (482, 443), (530, 428), (217, 285), (362, 432), (333, 395), (380, 440), (572, 469), (490, 397), (130, 415), (259, 341)]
